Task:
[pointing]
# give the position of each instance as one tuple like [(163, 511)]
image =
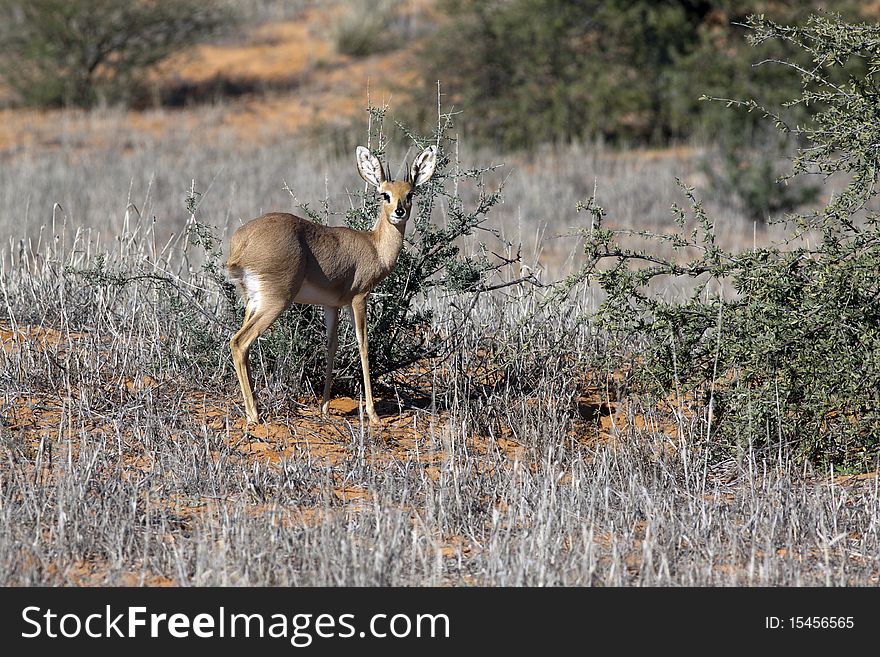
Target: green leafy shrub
[(792, 358), (367, 27), (62, 52)]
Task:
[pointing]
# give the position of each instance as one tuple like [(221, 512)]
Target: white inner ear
[(423, 167), (369, 167)]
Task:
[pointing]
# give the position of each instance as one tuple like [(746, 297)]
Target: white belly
[(308, 293)]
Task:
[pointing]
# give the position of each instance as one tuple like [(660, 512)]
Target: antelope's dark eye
[(386, 197), (409, 197)]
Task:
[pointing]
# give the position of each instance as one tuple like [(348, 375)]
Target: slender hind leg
[(331, 323), (359, 315), (257, 321)]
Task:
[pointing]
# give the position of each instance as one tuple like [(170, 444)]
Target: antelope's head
[(396, 195)]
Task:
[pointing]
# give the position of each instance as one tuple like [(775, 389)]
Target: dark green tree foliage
[(76, 52), (625, 70), (792, 359)]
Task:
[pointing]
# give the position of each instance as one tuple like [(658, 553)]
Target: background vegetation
[(628, 71), (791, 358), (54, 52)]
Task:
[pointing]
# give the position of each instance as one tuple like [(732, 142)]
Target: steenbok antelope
[(279, 259)]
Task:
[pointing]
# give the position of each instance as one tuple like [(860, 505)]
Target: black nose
[(399, 211)]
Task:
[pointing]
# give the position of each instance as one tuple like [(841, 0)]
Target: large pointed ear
[(369, 167), (423, 167)]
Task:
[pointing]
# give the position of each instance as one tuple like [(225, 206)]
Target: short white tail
[(279, 259)]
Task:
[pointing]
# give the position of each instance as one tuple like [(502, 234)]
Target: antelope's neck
[(388, 239)]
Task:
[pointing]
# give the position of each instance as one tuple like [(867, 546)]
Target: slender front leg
[(359, 315), (331, 323)]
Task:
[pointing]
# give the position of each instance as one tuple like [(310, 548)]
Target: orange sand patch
[(344, 405), (35, 417), (599, 416), (141, 383), (94, 573), (351, 493), (271, 52), (455, 546), (44, 337)]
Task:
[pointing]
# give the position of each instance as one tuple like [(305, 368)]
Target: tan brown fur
[(278, 259)]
